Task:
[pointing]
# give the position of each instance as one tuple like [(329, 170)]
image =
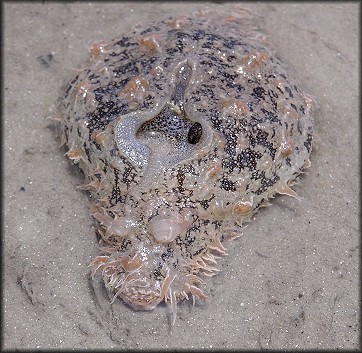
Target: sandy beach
[(291, 281)]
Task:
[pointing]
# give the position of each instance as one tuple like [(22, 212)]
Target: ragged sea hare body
[(183, 130)]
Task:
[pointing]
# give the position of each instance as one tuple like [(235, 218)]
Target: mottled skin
[(183, 130)]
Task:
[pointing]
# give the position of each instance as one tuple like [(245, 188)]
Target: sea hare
[(183, 130)]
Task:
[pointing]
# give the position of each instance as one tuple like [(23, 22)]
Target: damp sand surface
[(291, 279)]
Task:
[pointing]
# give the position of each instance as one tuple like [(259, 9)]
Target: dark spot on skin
[(227, 185), (289, 92), (259, 92)]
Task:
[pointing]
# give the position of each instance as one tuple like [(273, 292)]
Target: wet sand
[(290, 281)]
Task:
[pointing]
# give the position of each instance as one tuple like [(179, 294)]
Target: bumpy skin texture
[(183, 130)]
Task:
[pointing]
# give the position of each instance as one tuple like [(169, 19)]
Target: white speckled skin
[(183, 129)]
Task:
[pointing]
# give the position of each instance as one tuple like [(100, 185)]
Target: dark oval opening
[(195, 133)]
